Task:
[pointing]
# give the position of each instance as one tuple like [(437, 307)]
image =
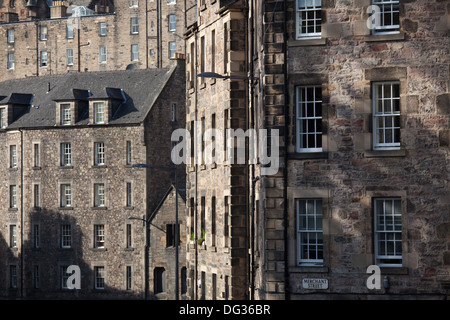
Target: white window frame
[(102, 28), (99, 278), (384, 231), (66, 236), (134, 3), (66, 154), (312, 9), (99, 236), (103, 54), (43, 35), (13, 236), (392, 116), (70, 30), (66, 116), (44, 59), (69, 57), (13, 196), (134, 25), (99, 153), (99, 195), (303, 121), (13, 156), (388, 8), (171, 2), (10, 37), (66, 196), (314, 233), (172, 49), (134, 52), (11, 58), (99, 112), (172, 22)]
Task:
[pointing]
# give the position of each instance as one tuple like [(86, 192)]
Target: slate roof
[(141, 88)]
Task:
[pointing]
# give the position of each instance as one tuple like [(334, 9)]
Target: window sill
[(307, 42), (394, 270), (36, 168), (99, 166), (13, 209), (13, 169), (99, 208), (99, 249), (128, 249), (309, 269), (65, 208), (66, 167), (128, 208), (308, 155), (385, 37), (384, 153)]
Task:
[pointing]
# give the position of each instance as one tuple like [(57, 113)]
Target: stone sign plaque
[(309, 283)]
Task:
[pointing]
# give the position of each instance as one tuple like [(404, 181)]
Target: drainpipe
[(22, 289)]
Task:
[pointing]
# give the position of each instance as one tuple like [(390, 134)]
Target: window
[(66, 154), (102, 28), (99, 112), (3, 122), (388, 19), (69, 57), (174, 112), (99, 153), (13, 156), (129, 239), (171, 235), (226, 222), (64, 277), (11, 60), (309, 19), (36, 196), (36, 277), (386, 115), (13, 276), (202, 230), (99, 236), (13, 236), (171, 1), (36, 155), (202, 58), (44, 61), (134, 21), (10, 36), (69, 30), (129, 195), (129, 278), (160, 280), (172, 49), (309, 232), (134, 3), (128, 152), (134, 52), (43, 34), (388, 232), (13, 196), (65, 113), (102, 54), (99, 195), (99, 278), (66, 236), (309, 119), (213, 51), (213, 221), (66, 195), (36, 236), (172, 22)]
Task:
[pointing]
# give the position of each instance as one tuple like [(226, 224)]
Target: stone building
[(55, 37), (163, 239), (357, 99), (68, 144)]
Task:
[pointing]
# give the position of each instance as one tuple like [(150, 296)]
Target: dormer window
[(99, 112), (66, 116)]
